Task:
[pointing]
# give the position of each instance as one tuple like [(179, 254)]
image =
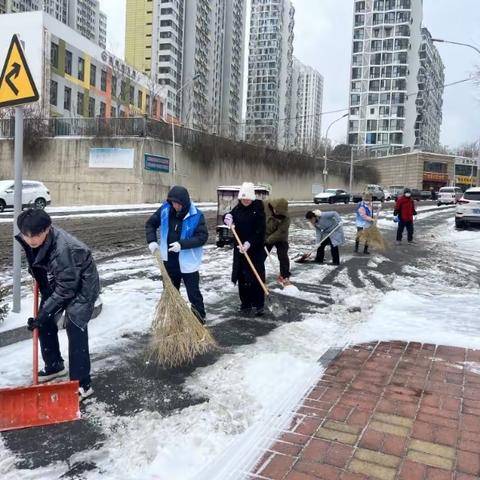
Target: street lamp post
[(174, 160), (325, 169), (440, 40)]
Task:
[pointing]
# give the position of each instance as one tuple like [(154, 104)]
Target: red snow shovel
[(35, 405)]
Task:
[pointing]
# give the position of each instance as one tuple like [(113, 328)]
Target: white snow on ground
[(253, 389)]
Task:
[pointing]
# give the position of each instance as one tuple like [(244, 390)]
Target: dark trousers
[(401, 226), (357, 241), (78, 353), (191, 282), (321, 252), (249, 289), (282, 253)]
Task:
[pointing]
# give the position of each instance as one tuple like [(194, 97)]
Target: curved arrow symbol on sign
[(14, 72)]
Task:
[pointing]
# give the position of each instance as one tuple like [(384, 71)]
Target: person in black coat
[(68, 282), (182, 232), (248, 217)]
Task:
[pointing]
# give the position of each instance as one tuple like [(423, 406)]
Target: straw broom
[(372, 236), (177, 334)]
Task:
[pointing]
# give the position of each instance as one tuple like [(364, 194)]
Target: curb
[(19, 334)]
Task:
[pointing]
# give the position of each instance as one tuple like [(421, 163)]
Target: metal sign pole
[(17, 202)]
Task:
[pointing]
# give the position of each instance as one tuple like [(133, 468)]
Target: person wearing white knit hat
[(248, 217), (247, 191)]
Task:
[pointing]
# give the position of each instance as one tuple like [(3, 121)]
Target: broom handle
[(260, 281), (35, 334)]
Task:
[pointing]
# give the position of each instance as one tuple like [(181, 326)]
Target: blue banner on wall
[(157, 163)]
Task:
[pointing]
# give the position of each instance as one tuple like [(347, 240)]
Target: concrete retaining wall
[(62, 163)]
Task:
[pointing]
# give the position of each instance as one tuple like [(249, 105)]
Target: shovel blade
[(35, 405), (303, 258)]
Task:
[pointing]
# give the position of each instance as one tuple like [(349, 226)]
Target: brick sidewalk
[(389, 410)]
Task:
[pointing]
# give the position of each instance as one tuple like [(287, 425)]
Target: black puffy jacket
[(66, 274)]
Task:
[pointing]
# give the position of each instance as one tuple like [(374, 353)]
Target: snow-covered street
[(213, 419)]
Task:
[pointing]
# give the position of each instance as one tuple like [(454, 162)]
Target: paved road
[(120, 235), (130, 384)]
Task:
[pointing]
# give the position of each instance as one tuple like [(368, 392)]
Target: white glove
[(243, 248), (317, 213), (175, 247), (153, 246), (228, 220)]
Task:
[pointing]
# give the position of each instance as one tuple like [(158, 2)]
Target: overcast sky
[(323, 35)]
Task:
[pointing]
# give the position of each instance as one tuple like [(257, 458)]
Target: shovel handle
[(35, 334), (254, 270)]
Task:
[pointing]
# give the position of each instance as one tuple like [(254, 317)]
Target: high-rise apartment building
[(384, 73), (84, 16), (270, 65), (306, 113), (431, 80), (193, 50)]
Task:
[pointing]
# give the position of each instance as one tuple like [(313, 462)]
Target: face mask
[(408, 195)]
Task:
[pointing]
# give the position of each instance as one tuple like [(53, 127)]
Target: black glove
[(42, 317), (32, 324)]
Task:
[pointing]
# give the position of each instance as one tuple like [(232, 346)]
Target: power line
[(340, 110)]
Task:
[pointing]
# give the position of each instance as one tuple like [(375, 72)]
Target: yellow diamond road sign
[(16, 82)]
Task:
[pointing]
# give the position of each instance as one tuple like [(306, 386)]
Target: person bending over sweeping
[(405, 210), (68, 281), (363, 219), (248, 217), (329, 231), (182, 233), (278, 224)]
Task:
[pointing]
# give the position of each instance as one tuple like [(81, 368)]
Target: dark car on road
[(332, 195)]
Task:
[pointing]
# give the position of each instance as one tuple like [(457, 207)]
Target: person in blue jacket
[(363, 219), (329, 231), (179, 231)]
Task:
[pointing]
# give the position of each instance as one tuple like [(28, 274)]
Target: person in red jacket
[(405, 209)]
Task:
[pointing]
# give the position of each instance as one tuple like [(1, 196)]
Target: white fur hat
[(247, 191)]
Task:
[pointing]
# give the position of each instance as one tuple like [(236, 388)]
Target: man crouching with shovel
[(68, 281)]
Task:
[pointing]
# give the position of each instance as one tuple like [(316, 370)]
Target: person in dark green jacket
[(278, 224)]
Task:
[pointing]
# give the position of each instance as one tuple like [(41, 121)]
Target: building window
[(123, 90), (103, 109), (140, 98), (67, 98), (68, 62), (113, 112), (114, 86), (103, 80), (154, 107), (91, 107), (93, 75), (80, 103), (81, 69), (53, 92), (54, 55), (147, 102), (132, 95)]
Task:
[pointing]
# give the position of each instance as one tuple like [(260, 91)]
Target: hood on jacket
[(180, 195), (280, 205)]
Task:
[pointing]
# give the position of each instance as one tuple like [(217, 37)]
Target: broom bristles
[(373, 237), (177, 334)]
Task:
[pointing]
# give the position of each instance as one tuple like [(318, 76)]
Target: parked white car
[(449, 195), (468, 208), (34, 194), (388, 195)]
